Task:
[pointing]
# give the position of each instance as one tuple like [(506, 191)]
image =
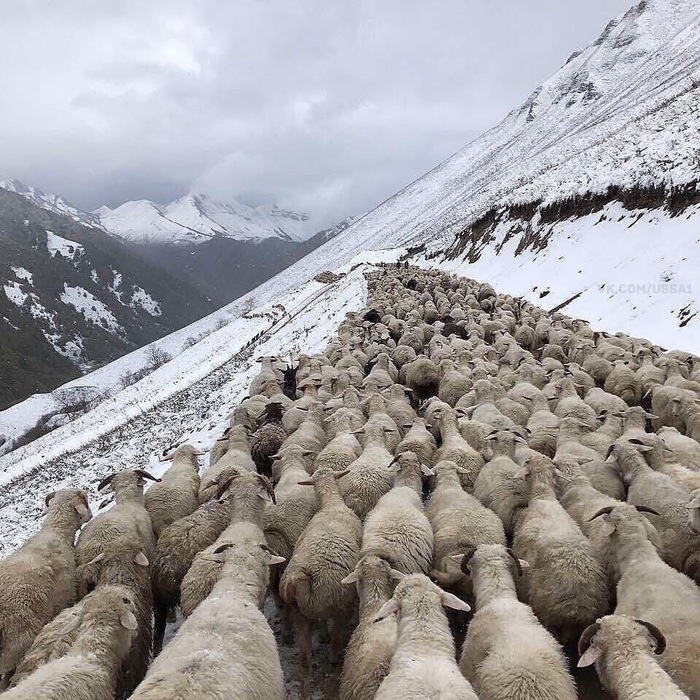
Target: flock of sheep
[(451, 448)]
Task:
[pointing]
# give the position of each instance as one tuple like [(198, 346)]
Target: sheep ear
[(694, 503), (128, 620), (306, 482), (308, 453), (389, 608), (452, 601), (589, 657), (72, 624), (522, 474), (141, 559), (350, 578), (607, 528), (462, 471), (396, 575), (275, 559), (83, 511), (426, 471)]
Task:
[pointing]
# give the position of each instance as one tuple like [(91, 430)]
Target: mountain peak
[(50, 202), (198, 216)]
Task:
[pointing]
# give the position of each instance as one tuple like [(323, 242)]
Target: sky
[(323, 106)]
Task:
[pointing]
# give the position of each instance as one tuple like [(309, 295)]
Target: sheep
[(569, 441), (267, 374), (497, 486), (219, 448), (295, 505), (397, 529), (127, 519), (237, 457), (507, 653), (123, 563), (566, 585), (268, 438), (327, 552), (289, 384), (418, 440), (620, 647), (37, 581), (680, 545), (459, 523), (542, 427), (455, 448), (570, 405), (685, 449), (398, 405), (249, 494), (453, 384), (79, 659), (295, 415), (368, 478), (624, 382), (421, 376), (423, 666), (650, 589), (371, 646), (311, 434), (176, 549), (226, 648), (176, 494)]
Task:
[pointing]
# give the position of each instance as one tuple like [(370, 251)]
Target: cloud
[(326, 107)]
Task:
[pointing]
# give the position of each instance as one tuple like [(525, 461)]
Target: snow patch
[(23, 274), (14, 293), (62, 246), (91, 307), (142, 298)]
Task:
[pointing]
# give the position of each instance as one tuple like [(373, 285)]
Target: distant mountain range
[(79, 289)]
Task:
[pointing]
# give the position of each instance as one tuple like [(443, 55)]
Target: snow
[(62, 246), (195, 218), (50, 202), (187, 399), (91, 307), (23, 274), (635, 272), (142, 298), (14, 293)]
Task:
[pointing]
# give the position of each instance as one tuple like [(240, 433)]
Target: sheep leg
[(161, 618), (303, 635), (338, 638)]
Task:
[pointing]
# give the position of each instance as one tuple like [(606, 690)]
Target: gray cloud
[(328, 107)]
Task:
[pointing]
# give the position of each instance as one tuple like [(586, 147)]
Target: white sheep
[(397, 529), (37, 581), (226, 648), (566, 584), (326, 552), (80, 659), (423, 666), (507, 653), (369, 652), (621, 649), (176, 494)]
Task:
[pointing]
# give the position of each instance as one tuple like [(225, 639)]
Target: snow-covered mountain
[(196, 218), (50, 202)]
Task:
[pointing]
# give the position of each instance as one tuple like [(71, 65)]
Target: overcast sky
[(327, 106)]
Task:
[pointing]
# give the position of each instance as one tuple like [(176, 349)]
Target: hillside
[(74, 298)]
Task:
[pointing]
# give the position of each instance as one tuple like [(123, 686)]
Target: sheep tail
[(296, 588)]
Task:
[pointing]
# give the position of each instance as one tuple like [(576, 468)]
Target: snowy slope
[(51, 202), (195, 218)]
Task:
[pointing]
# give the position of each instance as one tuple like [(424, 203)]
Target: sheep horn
[(646, 509), (223, 548), (466, 558), (518, 565), (48, 498), (585, 638), (656, 633), (146, 475), (268, 487), (603, 511), (105, 482)]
